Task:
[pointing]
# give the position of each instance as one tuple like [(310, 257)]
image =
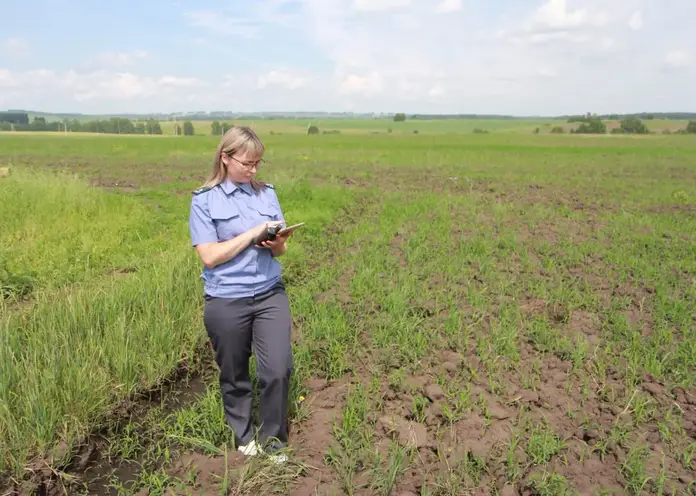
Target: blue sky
[(538, 57)]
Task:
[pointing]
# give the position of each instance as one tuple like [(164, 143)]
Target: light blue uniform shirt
[(226, 211)]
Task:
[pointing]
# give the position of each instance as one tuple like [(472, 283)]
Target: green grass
[(64, 232), (545, 283), (382, 126), (424, 126), (113, 305), (72, 354)]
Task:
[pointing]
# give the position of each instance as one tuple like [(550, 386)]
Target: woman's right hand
[(259, 230)]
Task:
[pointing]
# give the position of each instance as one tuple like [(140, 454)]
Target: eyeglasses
[(246, 165)]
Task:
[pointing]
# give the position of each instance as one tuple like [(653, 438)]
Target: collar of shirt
[(229, 187)]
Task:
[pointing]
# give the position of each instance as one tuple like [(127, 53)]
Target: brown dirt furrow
[(312, 437)]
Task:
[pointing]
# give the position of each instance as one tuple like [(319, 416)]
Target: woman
[(245, 299)]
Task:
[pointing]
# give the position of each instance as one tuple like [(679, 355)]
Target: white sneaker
[(250, 449)]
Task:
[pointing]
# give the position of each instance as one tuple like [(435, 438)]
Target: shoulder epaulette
[(201, 190)]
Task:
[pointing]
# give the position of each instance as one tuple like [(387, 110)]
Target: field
[(500, 313), (385, 126), (382, 126)]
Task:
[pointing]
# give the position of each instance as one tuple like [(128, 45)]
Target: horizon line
[(309, 113)]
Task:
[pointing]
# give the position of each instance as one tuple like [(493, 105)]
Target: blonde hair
[(238, 138)]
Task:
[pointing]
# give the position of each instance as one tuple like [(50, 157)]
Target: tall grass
[(57, 230), (88, 336), (113, 305), (72, 355)]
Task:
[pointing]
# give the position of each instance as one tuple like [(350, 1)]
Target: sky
[(518, 57)]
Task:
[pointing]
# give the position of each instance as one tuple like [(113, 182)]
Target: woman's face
[(241, 166)]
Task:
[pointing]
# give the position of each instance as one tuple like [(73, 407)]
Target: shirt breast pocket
[(227, 223), (267, 214)]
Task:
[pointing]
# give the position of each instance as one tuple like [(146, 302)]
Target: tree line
[(680, 116), (114, 125), (593, 124), (588, 124)]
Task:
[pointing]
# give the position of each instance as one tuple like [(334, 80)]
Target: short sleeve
[(275, 204), (201, 225)]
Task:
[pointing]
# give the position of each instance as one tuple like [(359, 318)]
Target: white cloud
[(180, 82), (547, 73), (555, 14), (447, 6), (524, 61), (7, 79), (250, 22), (14, 47), (437, 91), (636, 21), (281, 78), (93, 86), (677, 59), (607, 44), (30, 79), (120, 59), (222, 23), (379, 5), (557, 21), (542, 38), (120, 86), (368, 84), (521, 57)]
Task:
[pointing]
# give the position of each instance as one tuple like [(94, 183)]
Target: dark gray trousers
[(233, 325)]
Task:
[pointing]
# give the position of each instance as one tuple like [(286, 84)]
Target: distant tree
[(89, 127), (177, 130), (74, 126), (691, 127), (587, 118), (537, 130), (121, 126), (188, 128), (312, 130), (480, 131), (153, 127), (39, 124), (215, 128), (399, 117), (592, 125), (557, 130), (20, 118), (226, 126), (577, 118), (633, 125)]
